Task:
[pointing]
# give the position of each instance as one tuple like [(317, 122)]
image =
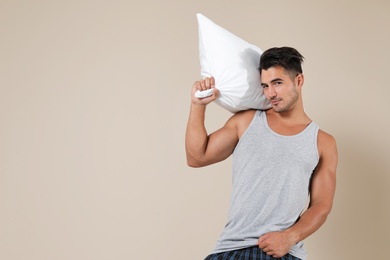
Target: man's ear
[(299, 80)]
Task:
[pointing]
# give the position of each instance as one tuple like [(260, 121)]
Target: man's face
[(279, 88)]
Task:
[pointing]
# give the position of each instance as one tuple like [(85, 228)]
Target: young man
[(279, 157)]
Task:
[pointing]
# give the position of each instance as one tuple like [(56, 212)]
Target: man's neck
[(296, 115)]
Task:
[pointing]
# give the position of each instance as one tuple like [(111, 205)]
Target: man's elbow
[(324, 211), (193, 165), (195, 162)]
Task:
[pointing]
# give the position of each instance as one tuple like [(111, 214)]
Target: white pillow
[(234, 63)]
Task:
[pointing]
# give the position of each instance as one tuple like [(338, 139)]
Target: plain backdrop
[(94, 101)]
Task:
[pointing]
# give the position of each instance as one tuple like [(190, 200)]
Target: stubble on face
[(289, 104), (285, 96)]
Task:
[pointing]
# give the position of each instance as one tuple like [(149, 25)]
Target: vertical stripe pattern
[(250, 253)]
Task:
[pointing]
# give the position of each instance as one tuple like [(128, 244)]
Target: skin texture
[(286, 117)]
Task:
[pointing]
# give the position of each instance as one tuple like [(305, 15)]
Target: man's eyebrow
[(277, 79), (272, 81)]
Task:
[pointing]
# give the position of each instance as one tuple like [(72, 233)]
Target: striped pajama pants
[(250, 253)]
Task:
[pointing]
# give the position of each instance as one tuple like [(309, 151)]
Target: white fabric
[(234, 63)]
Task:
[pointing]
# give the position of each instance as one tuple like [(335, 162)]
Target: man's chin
[(278, 109)]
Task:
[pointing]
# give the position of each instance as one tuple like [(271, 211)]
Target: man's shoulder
[(243, 117), (325, 137), (246, 113), (241, 120), (325, 142)]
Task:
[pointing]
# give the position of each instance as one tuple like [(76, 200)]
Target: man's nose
[(271, 92)]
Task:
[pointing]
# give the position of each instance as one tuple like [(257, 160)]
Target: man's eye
[(265, 86)]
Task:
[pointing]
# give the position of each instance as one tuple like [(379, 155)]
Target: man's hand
[(276, 244), (204, 84)]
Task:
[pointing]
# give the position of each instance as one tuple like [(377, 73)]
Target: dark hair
[(288, 58)]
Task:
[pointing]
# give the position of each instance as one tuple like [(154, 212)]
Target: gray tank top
[(271, 176)]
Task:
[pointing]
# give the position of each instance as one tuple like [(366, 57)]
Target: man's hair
[(288, 58)]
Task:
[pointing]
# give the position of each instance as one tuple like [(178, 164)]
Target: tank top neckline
[(263, 117)]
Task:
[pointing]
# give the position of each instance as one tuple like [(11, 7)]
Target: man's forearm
[(196, 135), (310, 221), (279, 243)]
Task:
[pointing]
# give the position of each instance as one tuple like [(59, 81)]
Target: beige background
[(94, 100)]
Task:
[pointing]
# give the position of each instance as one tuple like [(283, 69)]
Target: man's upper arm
[(221, 143), (323, 182)]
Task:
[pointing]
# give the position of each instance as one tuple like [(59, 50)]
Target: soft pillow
[(234, 63)]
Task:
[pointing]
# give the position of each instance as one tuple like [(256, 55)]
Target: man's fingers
[(215, 92), (203, 85), (206, 83), (204, 98), (212, 81), (261, 241), (197, 85), (266, 247), (268, 251)]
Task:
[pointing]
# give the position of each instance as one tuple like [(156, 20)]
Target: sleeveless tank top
[(270, 184)]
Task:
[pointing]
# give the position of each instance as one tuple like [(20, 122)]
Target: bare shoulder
[(326, 145), (241, 120)]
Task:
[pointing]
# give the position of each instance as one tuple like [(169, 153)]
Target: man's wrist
[(197, 106), (293, 236)]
